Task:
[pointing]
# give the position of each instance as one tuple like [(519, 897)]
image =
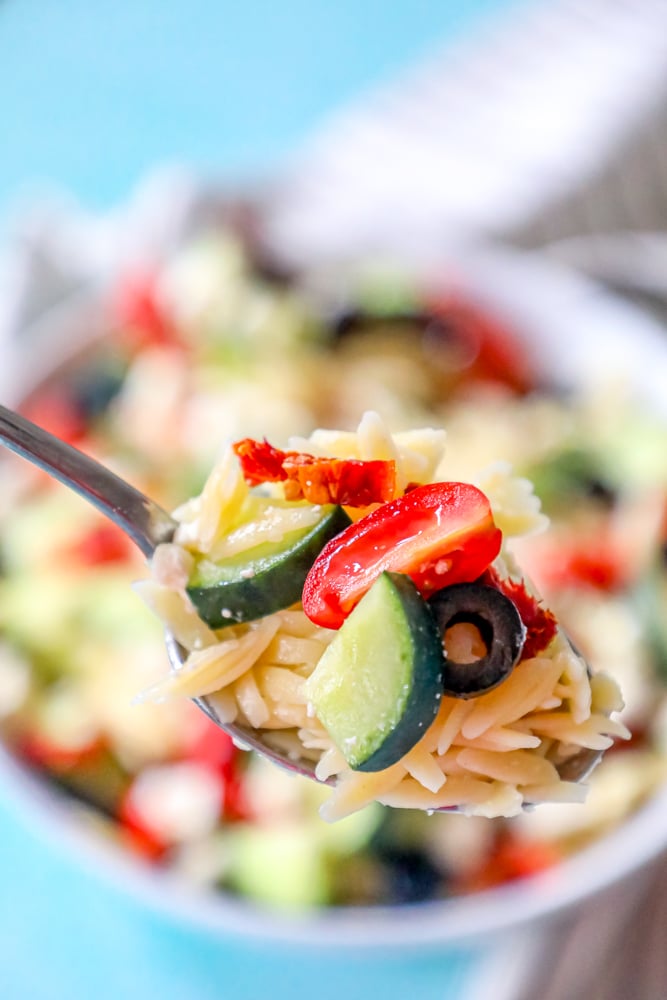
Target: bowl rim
[(530, 292)]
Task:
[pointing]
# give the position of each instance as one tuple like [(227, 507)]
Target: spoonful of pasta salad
[(349, 613)]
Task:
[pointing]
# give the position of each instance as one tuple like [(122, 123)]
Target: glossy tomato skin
[(438, 534)]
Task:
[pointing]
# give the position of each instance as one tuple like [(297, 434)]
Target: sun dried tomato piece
[(541, 624), (349, 482), (260, 461)]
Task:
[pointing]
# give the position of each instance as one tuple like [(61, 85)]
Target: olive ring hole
[(482, 637), (467, 638)]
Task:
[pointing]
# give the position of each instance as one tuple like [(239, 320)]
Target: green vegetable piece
[(265, 579), (280, 865), (570, 474), (650, 599), (378, 685)]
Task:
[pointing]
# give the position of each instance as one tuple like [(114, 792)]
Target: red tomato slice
[(438, 534)]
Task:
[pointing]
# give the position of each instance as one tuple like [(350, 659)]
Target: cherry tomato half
[(438, 534)]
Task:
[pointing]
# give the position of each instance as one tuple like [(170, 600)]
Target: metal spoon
[(141, 518), (148, 525)]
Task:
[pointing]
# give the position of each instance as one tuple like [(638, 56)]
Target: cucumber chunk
[(267, 578), (378, 685)]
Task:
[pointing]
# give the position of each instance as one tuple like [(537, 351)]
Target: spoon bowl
[(149, 525)]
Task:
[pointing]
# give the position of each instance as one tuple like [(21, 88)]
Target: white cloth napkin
[(488, 135), (504, 133)]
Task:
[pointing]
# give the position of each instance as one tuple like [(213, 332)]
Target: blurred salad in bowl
[(220, 342)]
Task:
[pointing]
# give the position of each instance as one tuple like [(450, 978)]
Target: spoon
[(148, 525)]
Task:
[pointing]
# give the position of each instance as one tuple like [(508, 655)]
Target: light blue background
[(93, 94), (67, 936)]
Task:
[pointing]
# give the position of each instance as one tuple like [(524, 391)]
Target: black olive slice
[(500, 628)]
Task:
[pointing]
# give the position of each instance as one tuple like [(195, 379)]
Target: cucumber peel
[(378, 685)]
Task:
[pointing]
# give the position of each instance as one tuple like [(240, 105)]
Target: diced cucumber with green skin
[(281, 865), (265, 579), (378, 685)]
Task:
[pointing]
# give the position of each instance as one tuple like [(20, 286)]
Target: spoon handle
[(141, 518)]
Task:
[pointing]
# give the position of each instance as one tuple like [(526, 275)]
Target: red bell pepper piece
[(496, 354), (512, 857), (56, 412), (438, 534), (215, 748), (138, 835), (42, 751), (143, 319)]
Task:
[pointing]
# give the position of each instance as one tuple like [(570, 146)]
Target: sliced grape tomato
[(438, 534)]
